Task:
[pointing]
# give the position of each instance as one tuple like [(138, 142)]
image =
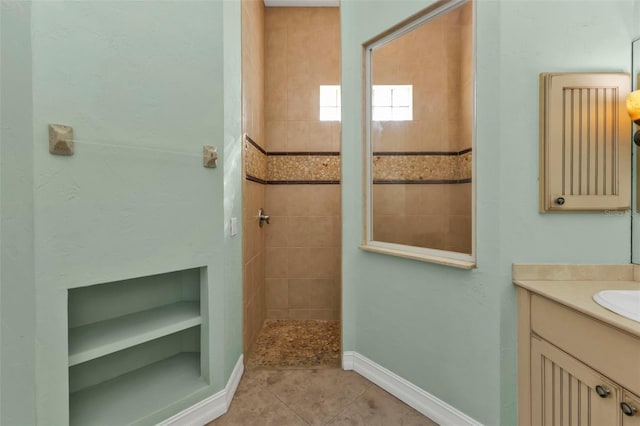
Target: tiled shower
[(291, 166)]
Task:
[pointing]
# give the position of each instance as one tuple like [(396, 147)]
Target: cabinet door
[(632, 402), (566, 392)]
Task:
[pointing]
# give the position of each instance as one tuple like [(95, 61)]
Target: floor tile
[(317, 395), (379, 408)]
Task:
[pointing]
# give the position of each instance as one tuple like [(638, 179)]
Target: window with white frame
[(392, 103), (389, 103), (329, 103)]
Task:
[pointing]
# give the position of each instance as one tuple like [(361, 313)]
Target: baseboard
[(429, 405), (209, 408)]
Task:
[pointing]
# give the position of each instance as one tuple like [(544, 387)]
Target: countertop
[(578, 295)]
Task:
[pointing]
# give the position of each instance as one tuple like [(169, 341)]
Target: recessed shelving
[(91, 341), (131, 397), (135, 348)]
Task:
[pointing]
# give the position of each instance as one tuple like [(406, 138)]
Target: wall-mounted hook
[(209, 156), (60, 139)]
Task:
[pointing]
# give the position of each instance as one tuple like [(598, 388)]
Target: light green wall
[(17, 291), (452, 332), (137, 74), (232, 164)]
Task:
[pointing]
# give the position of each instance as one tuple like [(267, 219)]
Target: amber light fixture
[(633, 108)]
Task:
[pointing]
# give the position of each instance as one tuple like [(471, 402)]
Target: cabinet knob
[(602, 391), (560, 201), (628, 409)]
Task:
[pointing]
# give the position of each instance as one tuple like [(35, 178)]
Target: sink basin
[(622, 302)]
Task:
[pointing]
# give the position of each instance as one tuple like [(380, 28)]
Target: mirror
[(635, 217), (419, 143)]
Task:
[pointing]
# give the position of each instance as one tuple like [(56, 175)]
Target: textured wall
[(132, 74), (452, 332), (253, 64), (17, 283)]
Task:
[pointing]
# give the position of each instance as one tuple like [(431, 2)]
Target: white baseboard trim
[(429, 405), (209, 408)]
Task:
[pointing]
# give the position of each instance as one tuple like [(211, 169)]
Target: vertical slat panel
[(557, 395), (599, 146), (592, 187), (547, 387), (566, 397), (583, 163), (576, 149), (574, 395), (567, 130), (612, 140), (585, 409)]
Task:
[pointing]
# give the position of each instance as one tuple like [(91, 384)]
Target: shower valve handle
[(262, 217)]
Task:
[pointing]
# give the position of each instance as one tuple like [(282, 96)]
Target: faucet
[(262, 218)]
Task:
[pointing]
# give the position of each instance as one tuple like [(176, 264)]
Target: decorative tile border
[(305, 168), (422, 167), (255, 160)]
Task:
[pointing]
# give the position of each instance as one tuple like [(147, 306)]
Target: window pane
[(381, 96), (329, 96), (381, 114), (401, 97), (401, 114), (329, 114)]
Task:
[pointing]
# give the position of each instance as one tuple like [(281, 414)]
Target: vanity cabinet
[(574, 369)]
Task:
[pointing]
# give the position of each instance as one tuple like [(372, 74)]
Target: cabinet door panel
[(633, 401), (564, 390)]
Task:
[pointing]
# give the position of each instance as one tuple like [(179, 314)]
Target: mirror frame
[(443, 257)]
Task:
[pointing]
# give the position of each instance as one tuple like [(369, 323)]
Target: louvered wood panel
[(585, 142), (563, 390)]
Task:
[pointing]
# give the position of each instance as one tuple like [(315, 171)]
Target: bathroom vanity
[(578, 363)]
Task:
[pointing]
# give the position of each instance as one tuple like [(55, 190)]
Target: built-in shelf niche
[(134, 347)]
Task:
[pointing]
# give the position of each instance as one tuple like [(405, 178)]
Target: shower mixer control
[(262, 218)]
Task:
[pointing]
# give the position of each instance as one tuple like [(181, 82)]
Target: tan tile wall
[(426, 57), (253, 294), (303, 52), (434, 216), (431, 215), (302, 271)]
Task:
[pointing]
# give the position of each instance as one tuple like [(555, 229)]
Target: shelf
[(91, 341), (131, 397)]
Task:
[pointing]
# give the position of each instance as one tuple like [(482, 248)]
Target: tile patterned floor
[(315, 397), (297, 344), (281, 389)]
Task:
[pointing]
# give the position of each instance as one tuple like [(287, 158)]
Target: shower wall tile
[(302, 52), (277, 293), (321, 314), (434, 60), (426, 215), (303, 245), (313, 262), (253, 64), (277, 262)]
